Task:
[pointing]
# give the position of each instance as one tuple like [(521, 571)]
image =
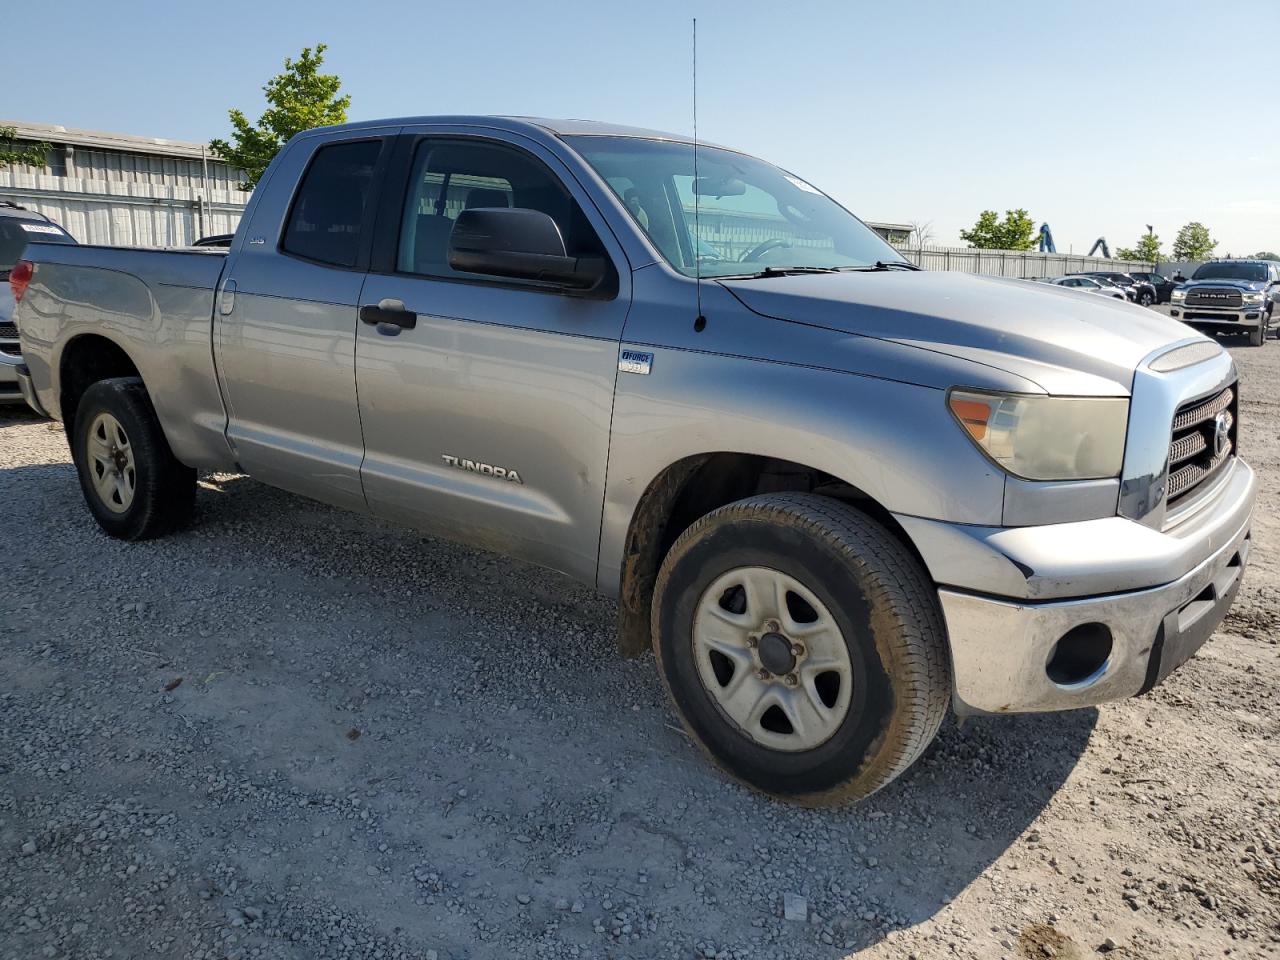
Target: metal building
[(118, 189)]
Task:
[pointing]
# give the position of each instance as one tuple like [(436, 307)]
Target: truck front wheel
[(134, 486), (802, 645)]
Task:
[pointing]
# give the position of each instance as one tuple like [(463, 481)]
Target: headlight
[(1046, 438), (1178, 295), (1251, 298)]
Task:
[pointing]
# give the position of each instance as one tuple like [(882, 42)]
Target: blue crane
[(1047, 245)]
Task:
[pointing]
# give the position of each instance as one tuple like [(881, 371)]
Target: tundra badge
[(634, 361), (488, 469)]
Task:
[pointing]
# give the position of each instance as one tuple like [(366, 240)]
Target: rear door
[(287, 318), (488, 419)]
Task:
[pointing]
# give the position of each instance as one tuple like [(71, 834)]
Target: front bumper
[(1244, 317), (1158, 594)]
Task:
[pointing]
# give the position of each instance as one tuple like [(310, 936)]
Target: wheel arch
[(84, 360), (695, 485)]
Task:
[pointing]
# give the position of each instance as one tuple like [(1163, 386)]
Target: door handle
[(388, 311)]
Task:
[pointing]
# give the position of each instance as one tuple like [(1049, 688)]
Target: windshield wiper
[(883, 265), (780, 272)]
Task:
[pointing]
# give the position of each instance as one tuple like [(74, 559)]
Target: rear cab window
[(330, 212)]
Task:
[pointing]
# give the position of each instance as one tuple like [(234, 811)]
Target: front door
[(487, 419)]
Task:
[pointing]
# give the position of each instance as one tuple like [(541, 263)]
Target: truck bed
[(192, 267), (156, 306)]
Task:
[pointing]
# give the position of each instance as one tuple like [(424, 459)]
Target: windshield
[(1230, 271), (750, 216), (15, 234)]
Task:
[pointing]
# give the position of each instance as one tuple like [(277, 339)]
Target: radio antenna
[(700, 321)]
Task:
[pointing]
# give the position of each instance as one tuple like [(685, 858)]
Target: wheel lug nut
[(792, 680), (771, 626), (797, 650), (762, 674), (752, 642)]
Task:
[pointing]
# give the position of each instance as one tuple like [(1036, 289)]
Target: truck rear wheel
[(134, 486), (803, 646)]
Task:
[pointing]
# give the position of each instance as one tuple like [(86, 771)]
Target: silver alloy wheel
[(772, 658), (111, 466)]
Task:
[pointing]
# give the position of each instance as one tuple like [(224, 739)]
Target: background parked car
[(1127, 292), (1164, 287), (1139, 291), (1089, 285), (18, 225)]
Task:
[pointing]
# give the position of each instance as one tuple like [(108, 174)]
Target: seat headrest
[(431, 241), (484, 197)]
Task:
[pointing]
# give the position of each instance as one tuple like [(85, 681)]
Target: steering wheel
[(760, 249)]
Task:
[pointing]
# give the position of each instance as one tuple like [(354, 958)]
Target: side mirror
[(521, 244)]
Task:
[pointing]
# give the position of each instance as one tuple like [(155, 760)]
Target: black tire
[(1258, 335), (163, 490), (887, 611)]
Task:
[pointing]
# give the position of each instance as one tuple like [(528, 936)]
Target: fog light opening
[(1080, 656)]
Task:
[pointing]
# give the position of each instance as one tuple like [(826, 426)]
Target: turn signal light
[(973, 415), (19, 277)]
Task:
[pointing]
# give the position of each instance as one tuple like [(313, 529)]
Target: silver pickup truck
[(836, 494)]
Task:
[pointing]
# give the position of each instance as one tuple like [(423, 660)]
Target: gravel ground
[(291, 732)]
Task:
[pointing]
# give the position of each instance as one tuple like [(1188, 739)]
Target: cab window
[(450, 176)]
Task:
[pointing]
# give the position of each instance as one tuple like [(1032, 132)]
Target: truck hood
[(1066, 342), (1248, 286)]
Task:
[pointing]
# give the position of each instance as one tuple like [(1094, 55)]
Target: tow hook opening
[(1080, 656)]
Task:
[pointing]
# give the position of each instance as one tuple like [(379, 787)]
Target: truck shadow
[(17, 413), (512, 750)]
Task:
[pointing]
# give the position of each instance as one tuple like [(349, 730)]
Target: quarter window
[(328, 216), (450, 176)]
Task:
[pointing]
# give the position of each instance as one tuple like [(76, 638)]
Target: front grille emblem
[(1221, 433)]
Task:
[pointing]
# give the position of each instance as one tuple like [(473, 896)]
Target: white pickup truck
[(836, 495)]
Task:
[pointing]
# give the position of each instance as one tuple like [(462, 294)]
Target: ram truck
[(836, 495), (1230, 296)]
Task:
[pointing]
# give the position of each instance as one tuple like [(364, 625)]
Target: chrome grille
[(8, 331), (1214, 297), (1193, 458)]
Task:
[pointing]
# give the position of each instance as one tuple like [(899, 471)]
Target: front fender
[(895, 442)]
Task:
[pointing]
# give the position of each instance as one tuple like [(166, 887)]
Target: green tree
[(1266, 255), (298, 99), (13, 154), (1147, 250), (1193, 242), (1017, 231)]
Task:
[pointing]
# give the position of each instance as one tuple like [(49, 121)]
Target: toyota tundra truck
[(836, 495)]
